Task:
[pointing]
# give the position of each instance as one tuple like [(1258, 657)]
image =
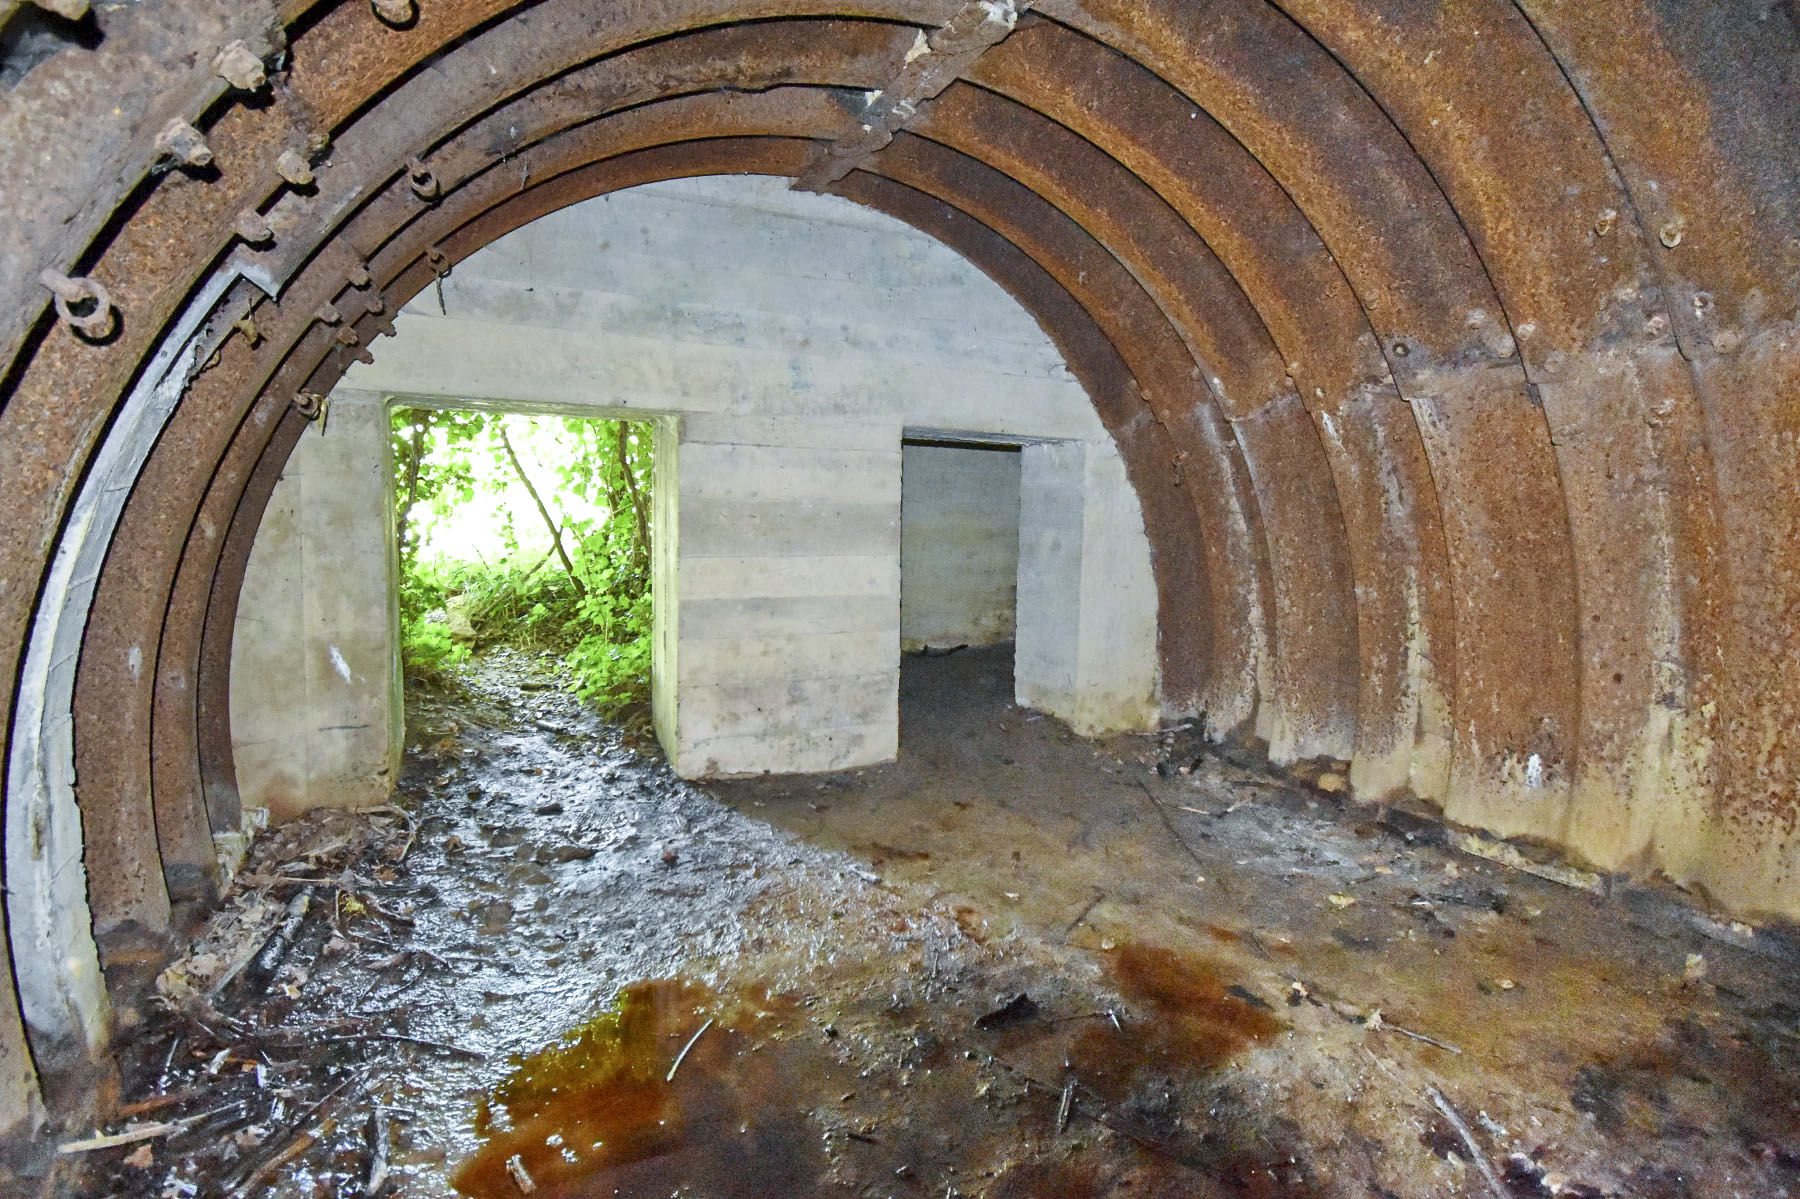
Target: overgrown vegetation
[(563, 509)]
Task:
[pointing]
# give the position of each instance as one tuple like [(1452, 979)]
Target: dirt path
[(1013, 963)]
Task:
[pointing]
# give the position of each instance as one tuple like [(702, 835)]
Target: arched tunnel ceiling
[(1451, 349)]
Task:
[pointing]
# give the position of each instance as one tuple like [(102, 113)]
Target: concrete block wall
[(786, 596), (787, 342), (959, 545), (1087, 605), (315, 682)]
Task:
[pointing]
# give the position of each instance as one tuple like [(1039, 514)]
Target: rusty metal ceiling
[(1451, 348)]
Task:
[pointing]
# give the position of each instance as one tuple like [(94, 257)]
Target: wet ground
[(1013, 963)]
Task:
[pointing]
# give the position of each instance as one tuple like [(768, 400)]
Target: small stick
[(1419, 1036), (1174, 728), (1085, 912), (682, 1056), (131, 1136), (378, 1152), (515, 1166), (1064, 1105), (154, 1103), (262, 1173), (403, 1039), (1174, 832), (1468, 1139)]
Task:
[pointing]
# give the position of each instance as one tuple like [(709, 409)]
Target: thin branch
[(549, 523), (642, 550), (1485, 1167), (1169, 824)]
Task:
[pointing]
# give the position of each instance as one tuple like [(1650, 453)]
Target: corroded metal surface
[(1456, 381)]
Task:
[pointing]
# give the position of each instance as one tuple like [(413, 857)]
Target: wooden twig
[(1419, 1036), (555, 532), (403, 1039), (267, 961), (130, 1136), (1064, 1106), (682, 1056), (1093, 903), (1482, 1164), (1162, 812), (378, 1152)]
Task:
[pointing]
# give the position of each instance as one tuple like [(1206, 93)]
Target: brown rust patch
[(1183, 1020), (596, 1112)]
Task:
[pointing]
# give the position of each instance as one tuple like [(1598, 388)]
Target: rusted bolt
[(241, 67), (74, 10), (395, 12), (438, 261), (375, 303), (359, 276), (80, 301), (1656, 324), (424, 183), (348, 337), (1672, 229), (253, 227), (293, 167), (384, 324), (309, 404), (184, 143), (1401, 349), (1603, 224), (1703, 304), (328, 313)]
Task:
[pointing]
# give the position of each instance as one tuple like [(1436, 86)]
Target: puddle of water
[(596, 1113)]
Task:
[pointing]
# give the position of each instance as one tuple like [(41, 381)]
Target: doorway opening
[(959, 568), (531, 533)]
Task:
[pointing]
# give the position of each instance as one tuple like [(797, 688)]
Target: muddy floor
[(1013, 963)]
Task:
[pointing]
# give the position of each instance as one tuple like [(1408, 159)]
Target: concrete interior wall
[(786, 596), (1086, 646), (794, 340), (959, 544), (315, 685)]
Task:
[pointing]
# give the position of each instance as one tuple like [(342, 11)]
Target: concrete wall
[(786, 597), (315, 699), (792, 340), (1087, 604), (959, 545)]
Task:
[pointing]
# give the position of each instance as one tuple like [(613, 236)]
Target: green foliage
[(587, 597)]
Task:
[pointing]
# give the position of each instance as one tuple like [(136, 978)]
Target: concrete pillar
[(1086, 646), (781, 552), (959, 545), (315, 680)]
